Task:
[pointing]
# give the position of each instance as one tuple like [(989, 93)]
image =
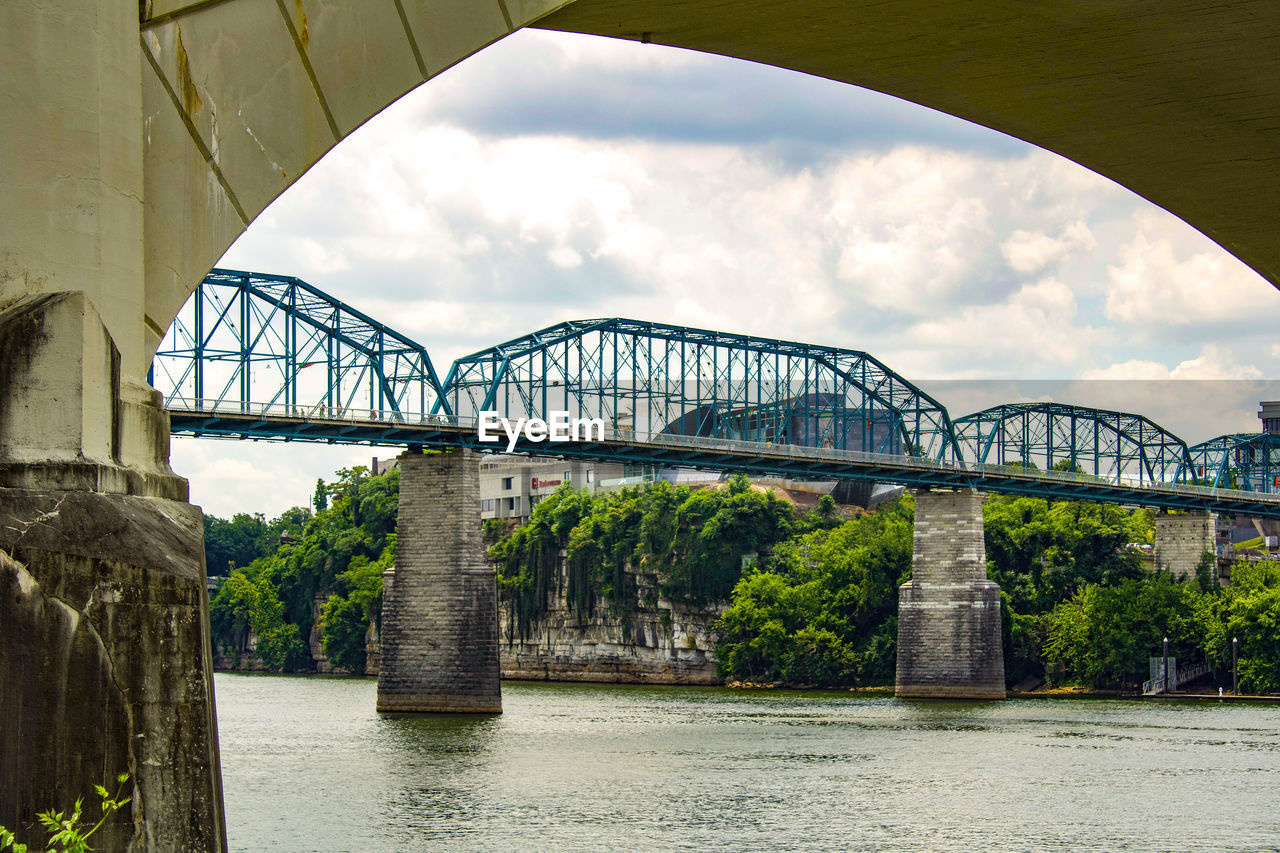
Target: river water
[(308, 765)]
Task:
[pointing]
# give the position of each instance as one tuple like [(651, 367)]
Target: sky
[(556, 176)]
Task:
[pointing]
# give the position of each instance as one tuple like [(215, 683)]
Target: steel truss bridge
[(266, 357)]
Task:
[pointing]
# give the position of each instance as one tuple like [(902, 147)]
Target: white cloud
[(1030, 251), (228, 477), (565, 257), (1213, 362), (1170, 275), (1036, 327)]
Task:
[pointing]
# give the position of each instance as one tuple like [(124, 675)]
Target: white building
[(511, 486)]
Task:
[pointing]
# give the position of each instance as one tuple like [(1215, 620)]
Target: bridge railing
[(732, 447)]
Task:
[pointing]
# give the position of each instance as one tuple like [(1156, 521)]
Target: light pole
[(1235, 665), (1164, 671)]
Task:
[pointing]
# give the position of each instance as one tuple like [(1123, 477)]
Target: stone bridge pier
[(1182, 541), (440, 615), (949, 637)]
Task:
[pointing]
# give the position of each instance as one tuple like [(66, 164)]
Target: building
[(511, 486), (1270, 416)]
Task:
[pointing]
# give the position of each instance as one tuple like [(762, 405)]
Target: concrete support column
[(440, 616), (949, 639), (105, 667), (105, 664), (1182, 540)]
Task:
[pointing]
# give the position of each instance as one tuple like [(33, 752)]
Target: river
[(309, 766)]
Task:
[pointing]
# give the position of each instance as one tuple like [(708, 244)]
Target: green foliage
[(320, 499), (1041, 553), (1250, 611), (229, 545), (1206, 579), (823, 610), (694, 541), (67, 833), (1103, 636), (338, 554), (528, 557), (354, 605), (244, 607)]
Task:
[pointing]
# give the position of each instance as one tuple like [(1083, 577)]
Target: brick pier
[(949, 638), (440, 615), (1182, 540)]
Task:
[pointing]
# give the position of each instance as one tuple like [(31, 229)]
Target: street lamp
[(1235, 665), (1164, 671)]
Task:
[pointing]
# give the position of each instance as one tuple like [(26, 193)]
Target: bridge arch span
[(241, 98), (654, 378), (1109, 445)]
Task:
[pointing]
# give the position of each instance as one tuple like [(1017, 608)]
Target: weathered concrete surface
[(949, 640), (105, 666), (1182, 540), (1177, 102), (67, 421), (440, 615), (239, 99)]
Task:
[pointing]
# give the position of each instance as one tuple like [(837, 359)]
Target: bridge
[(146, 136), (267, 357), (270, 357)]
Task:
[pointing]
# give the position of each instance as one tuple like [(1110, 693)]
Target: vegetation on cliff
[(803, 599), (338, 552), (693, 540)]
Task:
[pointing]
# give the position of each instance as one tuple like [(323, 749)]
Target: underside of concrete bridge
[(143, 136)]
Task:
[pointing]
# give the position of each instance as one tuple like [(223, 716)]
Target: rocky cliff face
[(661, 642)]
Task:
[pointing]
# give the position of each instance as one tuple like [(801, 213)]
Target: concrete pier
[(949, 639), (1182, 540), (440, 615), (105, 664)]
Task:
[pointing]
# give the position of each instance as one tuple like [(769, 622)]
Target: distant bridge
[(266, 357)]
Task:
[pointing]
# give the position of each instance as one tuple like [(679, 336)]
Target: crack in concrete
[(42, 518)]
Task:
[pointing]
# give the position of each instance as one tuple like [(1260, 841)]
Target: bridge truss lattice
[(652, 379), (257, 342), (1249, 462), (1109, 445)]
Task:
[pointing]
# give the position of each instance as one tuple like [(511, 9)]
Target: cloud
[(1036, 327), (554, 84), (1168, 274), (228, 477), (1031, 251), (1213, 362)]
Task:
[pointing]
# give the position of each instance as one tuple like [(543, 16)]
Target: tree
[(233, 544), (823, 610), (255, 607), (1103, 636), (1249, 610)]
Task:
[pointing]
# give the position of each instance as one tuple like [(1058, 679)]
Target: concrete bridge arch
[(143, 137)]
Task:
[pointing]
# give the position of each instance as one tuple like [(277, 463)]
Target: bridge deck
[(293, 423)]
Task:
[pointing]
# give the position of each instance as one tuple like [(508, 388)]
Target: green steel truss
[(276, 343), (274, 358), (1247, 461), (1112, 446), (652, 378)]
